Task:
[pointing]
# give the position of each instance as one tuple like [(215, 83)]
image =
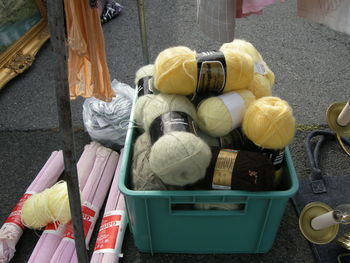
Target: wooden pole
[(143, 31), (58, 41)]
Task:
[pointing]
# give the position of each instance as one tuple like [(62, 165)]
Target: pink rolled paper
[(111, 233), (51, 237), (12, 229), (93, 194)]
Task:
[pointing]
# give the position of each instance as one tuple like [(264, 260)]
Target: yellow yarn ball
[(269, 123), (50, 205), (176, 70), (214, 117), (58, 203), (35, 211), (258, 86)]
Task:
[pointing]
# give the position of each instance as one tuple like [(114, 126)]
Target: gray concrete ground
[(310, 61)]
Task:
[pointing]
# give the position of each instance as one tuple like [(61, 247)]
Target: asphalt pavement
[(310, 62)]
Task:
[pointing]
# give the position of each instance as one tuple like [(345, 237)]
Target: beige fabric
[(88, 72)]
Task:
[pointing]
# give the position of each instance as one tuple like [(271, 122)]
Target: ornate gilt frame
[(20, 55)]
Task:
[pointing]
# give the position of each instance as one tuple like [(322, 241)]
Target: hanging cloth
[(253, 6), (216, 19), (88, 72), (333, 13), (239, 10)]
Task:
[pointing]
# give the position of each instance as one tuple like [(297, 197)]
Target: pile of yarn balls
[(181, 158)]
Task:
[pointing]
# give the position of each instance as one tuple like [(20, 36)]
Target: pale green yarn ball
[(163, 103), (180, 158), (144, 71), (140, 104)]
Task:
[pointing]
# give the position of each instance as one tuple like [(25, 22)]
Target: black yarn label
[(169, 122), (211, 77), (144, 86)]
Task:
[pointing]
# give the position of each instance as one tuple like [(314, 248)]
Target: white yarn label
[(236, 107), (15, 216), (222, 177), (90, 215), (211, 72), (55, 228), (111, 233), (260, 68)]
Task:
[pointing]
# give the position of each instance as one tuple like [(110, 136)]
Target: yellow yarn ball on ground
[(214, 117), (58, 202), (175, 71), (179, 158), (269, 123), (35, 211)]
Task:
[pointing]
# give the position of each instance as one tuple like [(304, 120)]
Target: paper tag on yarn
[(211, 77), (110, 235), (15, 216), (169, 122), (222, 176), (236, 107), (260, 68), (144, 86), (89, 214), (55, 228)]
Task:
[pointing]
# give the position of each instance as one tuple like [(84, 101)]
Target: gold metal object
[(332, 114), (309, 212), (344, 241), (20, 55)]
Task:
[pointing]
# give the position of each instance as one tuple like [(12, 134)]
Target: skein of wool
[(141, 102), (219, 115), (269, 123), (264, 78), (178, 157), (142, 177), (51, 237), (238, 170), (144, 79), (177, 71)]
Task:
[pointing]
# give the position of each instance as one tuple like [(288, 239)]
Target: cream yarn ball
[(58, 202), (176, 70), (269, 123), (144, 71), (214, 116), (180, 158), (140, 103)]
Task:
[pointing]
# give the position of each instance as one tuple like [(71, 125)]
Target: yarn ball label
[(260, 68), (169, 122), (144, 86), (110, 235), (224, 165), (15, 216), (89, 214), (211, 76)]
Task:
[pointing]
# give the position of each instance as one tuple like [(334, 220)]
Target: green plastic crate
[(158, 228)]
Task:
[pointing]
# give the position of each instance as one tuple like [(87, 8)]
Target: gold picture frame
[(20, 55)]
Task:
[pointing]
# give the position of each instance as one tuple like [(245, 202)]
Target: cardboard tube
[(344, 116), (323, 221)]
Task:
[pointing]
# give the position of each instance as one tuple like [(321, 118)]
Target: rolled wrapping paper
[(264, 78), (217, 116), (177, 71), (238, 170), (93, 194), (51, 237), (142, 177), (144, 79), (269, 123), (12, 229)]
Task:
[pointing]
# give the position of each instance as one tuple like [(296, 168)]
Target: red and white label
[(55, 228), (15, 216), (111, 233), (90, 214)]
